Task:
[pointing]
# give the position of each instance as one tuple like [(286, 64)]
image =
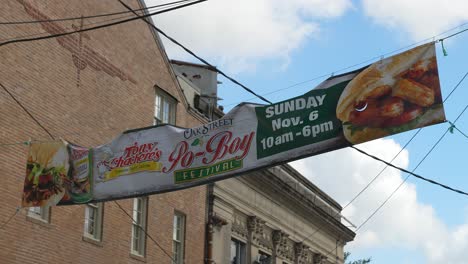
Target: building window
[(40, 213), (178, 238), (164, 108), (139, 225), (237, 252), (93, 221), (264, 258)]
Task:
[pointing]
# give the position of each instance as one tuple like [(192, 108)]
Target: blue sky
[(271, 44)]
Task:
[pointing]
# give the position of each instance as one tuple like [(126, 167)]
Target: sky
[(282, 49)]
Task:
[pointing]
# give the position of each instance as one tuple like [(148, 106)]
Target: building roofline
[(307, 183), (178, 62), (160, 46)]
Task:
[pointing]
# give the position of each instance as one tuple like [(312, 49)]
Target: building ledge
[(92, 241)]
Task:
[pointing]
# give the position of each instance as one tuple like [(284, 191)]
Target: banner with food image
[(57, 173), (393, 95)]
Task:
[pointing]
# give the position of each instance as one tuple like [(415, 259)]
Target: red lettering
[(176, 155), (220, 145), (217, 145), (245, 145), (187, 159), (234, 146), (131, 150)]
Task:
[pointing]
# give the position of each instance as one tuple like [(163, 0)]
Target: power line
[(146, 233), (10, 218), (410, 172), (394, 157), (380, 173), (198, 57), (452, 126), (160, 31), (406, 144), (454, 34), (363, 62), (26, 142), (46, 33), (27, 112), (100, 26), (86, 17), (421, 161)]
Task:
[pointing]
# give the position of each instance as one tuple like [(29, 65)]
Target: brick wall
[(87, 90)]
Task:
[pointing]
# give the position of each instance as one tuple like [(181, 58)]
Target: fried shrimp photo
[(391, 96)]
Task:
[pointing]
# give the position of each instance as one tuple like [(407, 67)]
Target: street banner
[(393, 95)]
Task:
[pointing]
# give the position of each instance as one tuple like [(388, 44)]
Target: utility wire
[(454, 34), (160, 31), (10, 218), (100, 26), (427, 154), (452, 125), (384, 168), (406, 178), (27, 112), (26, 142), (198, 57), (146, 233), (394, 157), (363, 62), (86, 17), (411, 172), (406, 144), (46, 33)]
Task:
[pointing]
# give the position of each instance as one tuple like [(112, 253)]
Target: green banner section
[(297, 122), (207, 171)]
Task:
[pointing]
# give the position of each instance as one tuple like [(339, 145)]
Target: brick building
[(87, 88)]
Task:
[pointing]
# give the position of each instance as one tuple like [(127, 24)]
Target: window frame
[(159, 110), (98, 210), (43, 215), (241, 249), (141, 227), (178, 243), (267, 260)]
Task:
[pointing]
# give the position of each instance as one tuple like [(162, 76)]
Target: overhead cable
[(422, 160), (363, 62), (146, 233), (27, 112), (10, 218), (394, 157), (86, 17), (100, 26), (410, 172), (198, 57)]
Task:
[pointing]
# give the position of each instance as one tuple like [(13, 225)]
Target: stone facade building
[(275, 216), (272, 216), (87, 88)]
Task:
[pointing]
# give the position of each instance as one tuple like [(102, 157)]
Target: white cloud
[(404, 222), (420, 19), (238, 34)]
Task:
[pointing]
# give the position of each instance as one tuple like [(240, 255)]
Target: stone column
[(251, 227)]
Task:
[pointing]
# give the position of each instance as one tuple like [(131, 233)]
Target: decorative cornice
[(239, 227), (319, 258), (218, 221), (282, 245), (259, 234)]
